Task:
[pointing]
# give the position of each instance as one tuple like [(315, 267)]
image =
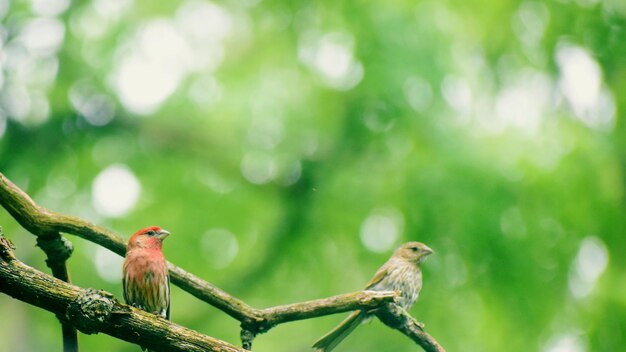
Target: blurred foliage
[(290, 146)]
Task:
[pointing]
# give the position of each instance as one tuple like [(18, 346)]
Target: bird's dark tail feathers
[(329, 341)]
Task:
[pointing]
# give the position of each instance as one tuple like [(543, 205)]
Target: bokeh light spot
[(565, 343), (289, 169), (97, 108), (418, 93), (590, 262), (266, 132), (115, 191), (49, 7), (332, 58), (142, 85), (522, 104), (112, 8), (43, 36), (204, 20), (3, 123), (16, 101), (108, 265), (580, 76), (87, 23), (581, 84), (457, 93), (381, 229), (152, 70), (206, 91), (530, 21), (163, 52), (258, 167)]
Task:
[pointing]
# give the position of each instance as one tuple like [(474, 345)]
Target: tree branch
[(397, 318), (41, 221), (326, 306), (312, 309), (92, 311)]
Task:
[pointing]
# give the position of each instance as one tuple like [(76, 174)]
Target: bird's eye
[(151, 233), (414, 249)]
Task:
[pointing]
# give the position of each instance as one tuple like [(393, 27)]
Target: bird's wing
[(124, 288), (380, 274)]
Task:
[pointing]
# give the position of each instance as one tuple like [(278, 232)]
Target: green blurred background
[(291, 146)]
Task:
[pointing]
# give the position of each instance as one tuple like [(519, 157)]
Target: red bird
[(145, 277)]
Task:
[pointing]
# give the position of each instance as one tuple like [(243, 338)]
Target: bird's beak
[(162, 234), (428, 250)]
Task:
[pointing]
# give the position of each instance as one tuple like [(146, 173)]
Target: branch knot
[(6, 248), (91, 311), (57, 248)]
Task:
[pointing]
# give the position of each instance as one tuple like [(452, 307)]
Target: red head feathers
[(149, 237)]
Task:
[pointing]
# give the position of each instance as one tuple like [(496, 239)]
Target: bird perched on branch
[(145, 278), (402, 272)]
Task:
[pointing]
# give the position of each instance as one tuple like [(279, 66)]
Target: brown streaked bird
[(402, 272), (145, 277)]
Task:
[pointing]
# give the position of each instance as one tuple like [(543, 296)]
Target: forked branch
[(41, 221)]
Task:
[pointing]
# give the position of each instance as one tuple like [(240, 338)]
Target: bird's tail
[(329, 341)]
